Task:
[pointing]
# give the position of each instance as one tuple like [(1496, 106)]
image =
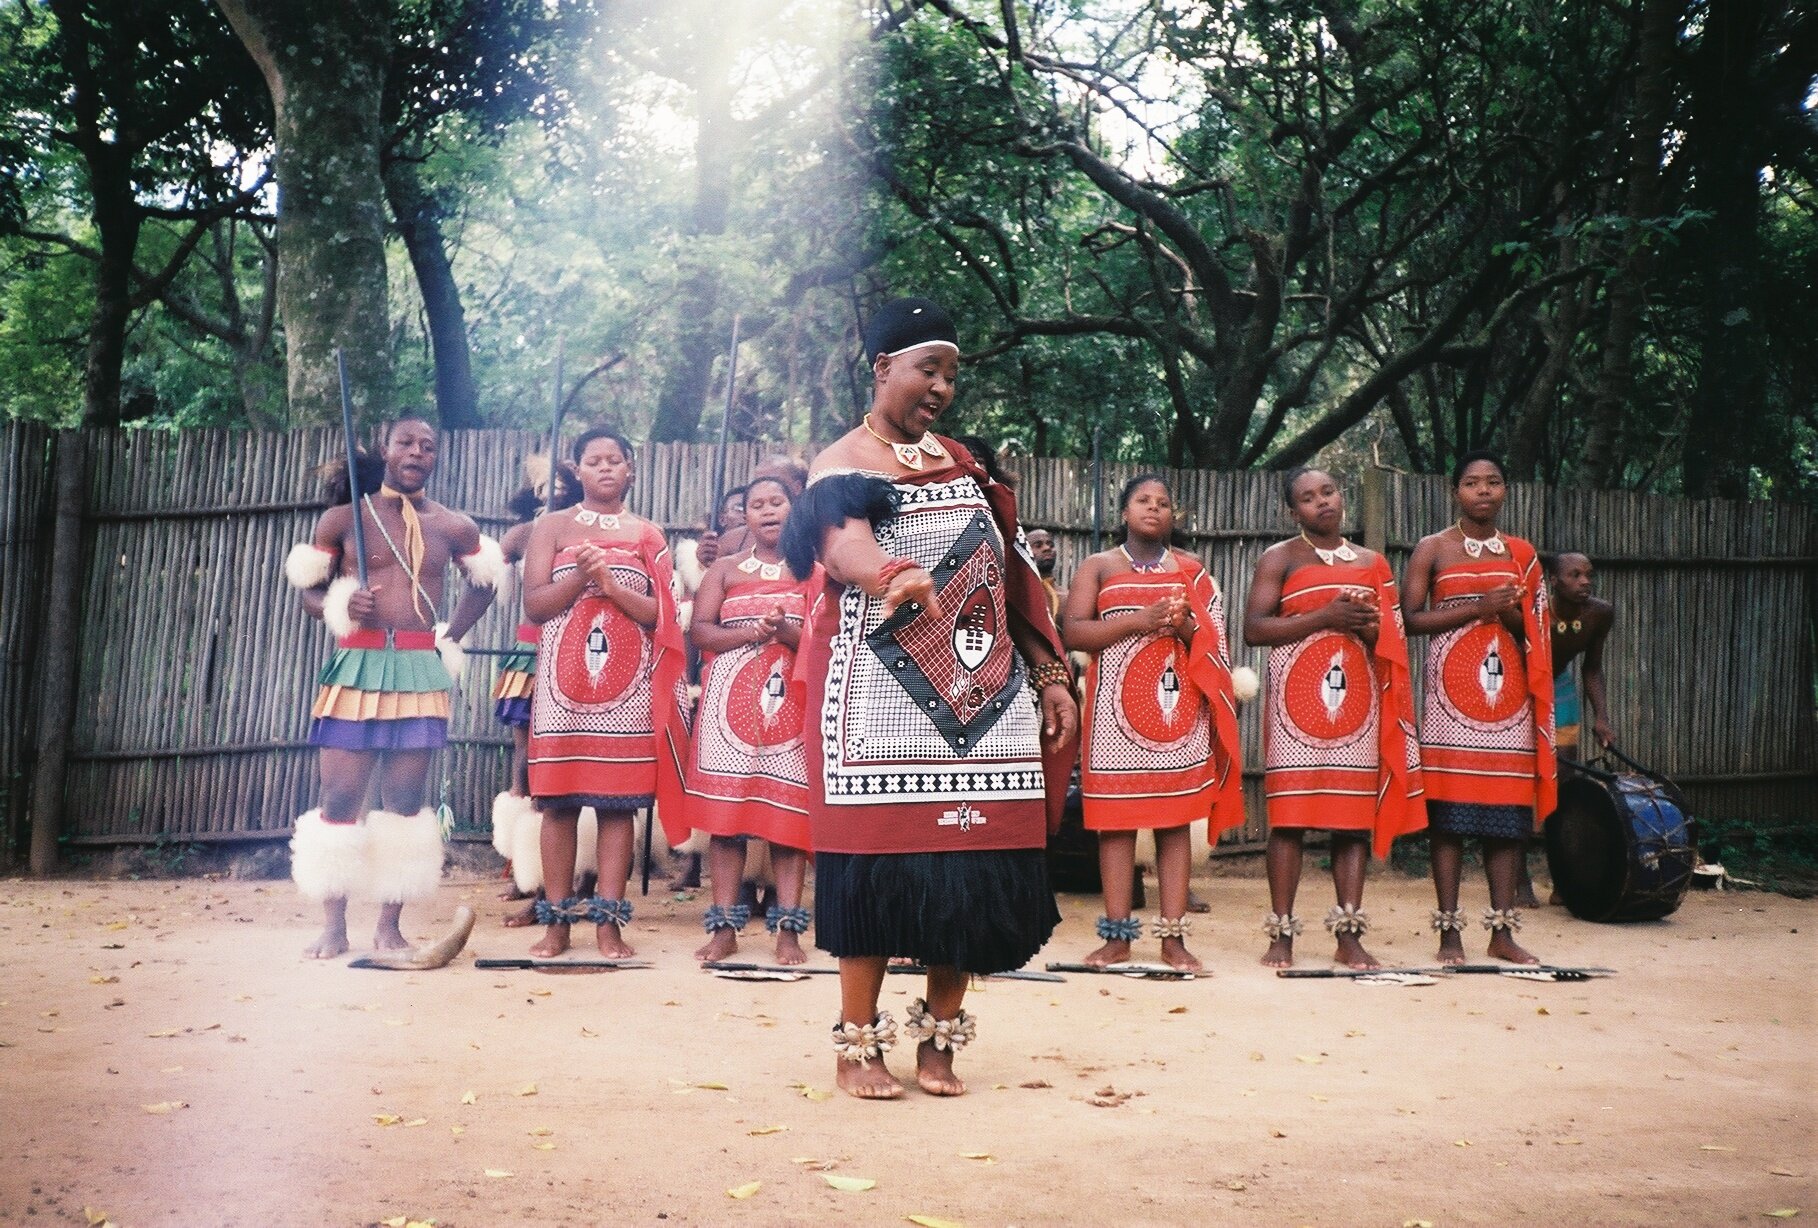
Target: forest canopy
[(1228, 236)]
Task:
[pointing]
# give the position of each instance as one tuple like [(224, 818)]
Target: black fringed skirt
[(978, 911)]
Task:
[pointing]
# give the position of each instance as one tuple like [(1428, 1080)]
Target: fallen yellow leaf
[(1416, 1223), (1782, 1172), (1568, 1142), (934, 1221), (93, 1216), (161, 1035), (1462, 1142), (1308, 1058), (767, 1130), (416, 1121), (544, 1146), (541, 993), (541, 1132), (469, 1098), (1276, 1134), (529, 1089), (457, 1131), (103, 980), (976, 1155), (117, 925), (499, 1172), (386, 1119), (1783, 1213), (589, 1033), (1318, 1097), (852, 1185), (165, 1106), (1714, 1147), (746, 1190), (814, 1093), (1236, 1185), (713, 1087)]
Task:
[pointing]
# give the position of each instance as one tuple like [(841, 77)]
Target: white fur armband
[(485, 567), (454, 657), (1244, 683), (334, 606), (309, 566)]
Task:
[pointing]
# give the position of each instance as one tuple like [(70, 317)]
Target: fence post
[(1375, 510), (58, 665)]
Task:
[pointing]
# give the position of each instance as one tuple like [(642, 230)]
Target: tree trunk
[(699, 331), (325, 65), (1628, 285), (1726, 142), (117, 222), (60, 653), (418, 217)]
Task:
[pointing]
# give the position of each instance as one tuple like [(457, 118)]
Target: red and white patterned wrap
[(1486, 732), (1339, 748), (747, 769), (1159, 751)]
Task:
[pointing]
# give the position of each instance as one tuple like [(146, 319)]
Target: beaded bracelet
[(1051, 673), (894, 568)]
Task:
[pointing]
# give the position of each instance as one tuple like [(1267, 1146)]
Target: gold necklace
[(1343, 550), (908, 455)]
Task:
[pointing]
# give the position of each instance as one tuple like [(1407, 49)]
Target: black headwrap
[(905, 323)]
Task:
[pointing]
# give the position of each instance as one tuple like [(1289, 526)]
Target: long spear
[(353, 465), (1098, 488), (719, 460), (555, 430)]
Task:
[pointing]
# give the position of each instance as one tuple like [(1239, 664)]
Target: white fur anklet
[(327, 860), (403, 856)]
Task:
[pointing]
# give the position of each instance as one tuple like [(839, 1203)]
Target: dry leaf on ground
[(852, 1185), (746, 1190)]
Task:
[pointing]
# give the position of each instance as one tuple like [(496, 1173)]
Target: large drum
[(1620, 846)]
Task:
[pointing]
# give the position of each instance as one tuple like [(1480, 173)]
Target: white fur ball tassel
[(1244, 683), (485, 567), (309, 566), (334, 606), (454, 657)]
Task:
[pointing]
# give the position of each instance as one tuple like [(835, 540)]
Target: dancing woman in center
[(1161, 724), (1339, 747), (941, 722)]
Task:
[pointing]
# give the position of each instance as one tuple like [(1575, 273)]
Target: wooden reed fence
[(196, 663)]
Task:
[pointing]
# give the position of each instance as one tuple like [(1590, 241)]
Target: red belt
[(529, 633), (388, 639)]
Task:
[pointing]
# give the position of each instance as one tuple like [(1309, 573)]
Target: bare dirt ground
[(168, 1059)]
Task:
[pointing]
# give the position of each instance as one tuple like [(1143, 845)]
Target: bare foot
[(789, 949), (1195, 904), (526, 915), (934, 1071), (1504, 946), (512, 892), (1451, 948), (554, 942), (901, 961), (1527, 899), (387, 937), (612, 944), (719, 945), (1280, 953), (1352, 954), (868, 1080), (1115, 951), (1177, 957), (330, 943)]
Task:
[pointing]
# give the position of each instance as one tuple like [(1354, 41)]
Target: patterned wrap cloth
[(1486, 733), (1160, 745), (1339, 747)]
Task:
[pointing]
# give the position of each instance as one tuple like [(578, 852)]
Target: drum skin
[(1620, 849)]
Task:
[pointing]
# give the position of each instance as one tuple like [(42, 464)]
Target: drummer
[(1581, 623)]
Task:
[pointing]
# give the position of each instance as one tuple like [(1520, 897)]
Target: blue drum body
[(1620, 847)]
